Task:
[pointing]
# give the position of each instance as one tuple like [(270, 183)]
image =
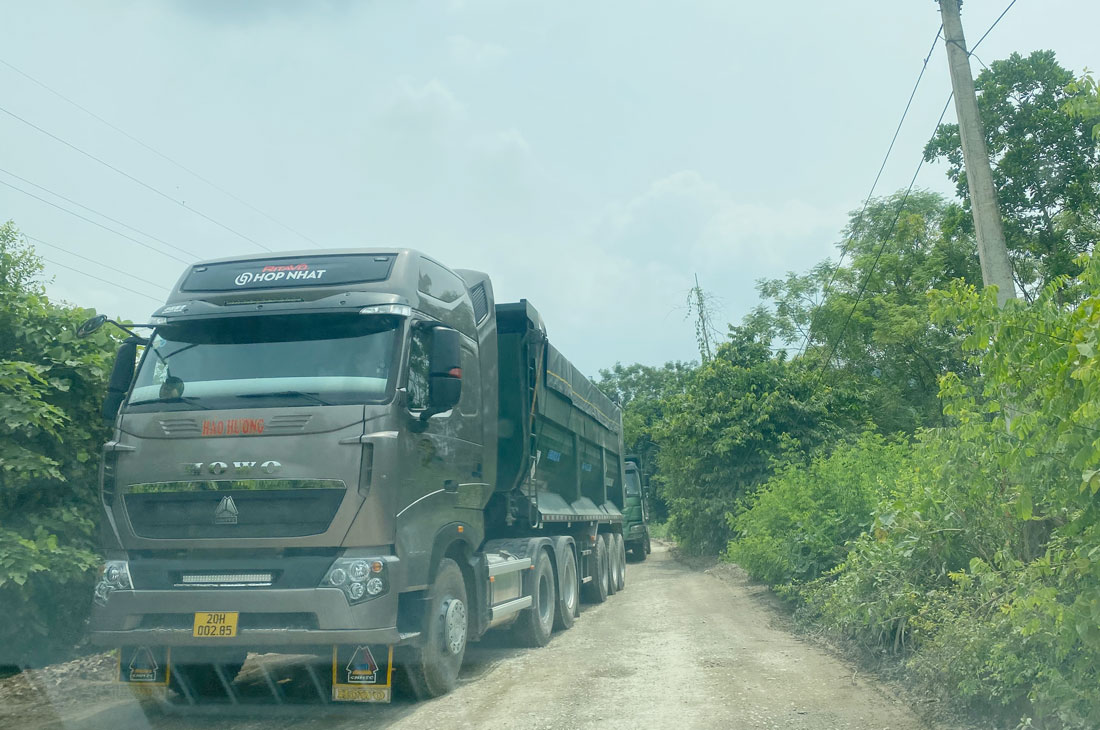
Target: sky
[(593, 158)]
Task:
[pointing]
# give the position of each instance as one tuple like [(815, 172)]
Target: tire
[(201, 678), (648, 547), (620, 550), (595, 590), (432, 668), (568, 590), (534, 625), (612, 561)]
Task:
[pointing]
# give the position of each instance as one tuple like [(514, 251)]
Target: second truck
[(353, 454)]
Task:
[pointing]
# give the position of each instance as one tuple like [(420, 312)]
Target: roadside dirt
[(680, 647)]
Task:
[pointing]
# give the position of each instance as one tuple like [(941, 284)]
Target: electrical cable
[(97, 278), (882, 245), (95, 223), (878, 255), (158, 153), (990, 28), (128, 176), (95, 212), (867, 201), (97, 263)]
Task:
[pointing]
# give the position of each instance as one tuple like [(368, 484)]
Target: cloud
[(474, 54), (425, 109), (708, 226)]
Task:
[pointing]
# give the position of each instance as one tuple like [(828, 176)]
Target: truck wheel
[(612, 562), (620, 551), (648, 547), (433, 667), (534, 625), (595, 590), (567, 591)]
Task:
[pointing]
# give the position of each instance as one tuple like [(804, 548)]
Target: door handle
[(450, 485)]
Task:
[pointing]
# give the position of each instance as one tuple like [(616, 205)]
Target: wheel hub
[(454, 625)]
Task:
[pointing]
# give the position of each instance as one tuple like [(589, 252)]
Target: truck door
[(442, 457)]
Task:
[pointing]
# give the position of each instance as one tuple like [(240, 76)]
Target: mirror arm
[(141, 340)]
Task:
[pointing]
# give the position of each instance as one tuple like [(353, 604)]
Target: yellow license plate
[(215, 624)]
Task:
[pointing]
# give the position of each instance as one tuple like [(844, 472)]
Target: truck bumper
[(267, 618)]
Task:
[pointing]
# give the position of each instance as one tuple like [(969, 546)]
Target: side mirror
[(121, 376), (444, 372), (91, 325)]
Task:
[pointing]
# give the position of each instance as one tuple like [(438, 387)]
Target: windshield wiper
[(189, 399), (287, 394)]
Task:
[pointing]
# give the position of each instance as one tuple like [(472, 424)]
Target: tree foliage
[(51, 384), (1045, 166), (720, 438), (882, 341)]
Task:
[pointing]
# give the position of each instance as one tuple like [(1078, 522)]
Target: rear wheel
[(567, 591), (432, 669), (595, 590), (612, 563), (534, 625), (620, 552)]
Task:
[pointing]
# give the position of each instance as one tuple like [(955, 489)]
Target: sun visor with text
[(286, 272)]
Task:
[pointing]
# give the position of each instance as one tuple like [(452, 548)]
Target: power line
[(990, 28), (871, 192), (94, 223), (97, 263), (128, 176), (95, 212), (158, 153), (901, 206), (97, 278), (882, 245)]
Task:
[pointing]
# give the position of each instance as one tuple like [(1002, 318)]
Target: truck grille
[(234, 513)]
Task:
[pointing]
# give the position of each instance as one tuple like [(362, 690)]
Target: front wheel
[(433, 667)]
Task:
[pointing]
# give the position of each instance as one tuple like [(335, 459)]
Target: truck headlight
[(359, 578), (114, 575)]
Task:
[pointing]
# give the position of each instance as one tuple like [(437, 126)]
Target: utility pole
[(702, 329), (992, 252)]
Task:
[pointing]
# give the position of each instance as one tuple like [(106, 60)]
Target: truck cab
[(635, 511)]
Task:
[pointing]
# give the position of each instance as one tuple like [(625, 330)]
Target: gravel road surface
[(679, 648)]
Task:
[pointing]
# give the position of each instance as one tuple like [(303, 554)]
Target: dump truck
[(636, 510), (355, 455)]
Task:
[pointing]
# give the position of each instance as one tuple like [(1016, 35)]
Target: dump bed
[(560, 438)]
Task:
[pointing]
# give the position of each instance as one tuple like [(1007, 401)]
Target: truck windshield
[(267, 361), (633, 485)]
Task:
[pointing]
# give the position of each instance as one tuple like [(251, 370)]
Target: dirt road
[(678, 649)]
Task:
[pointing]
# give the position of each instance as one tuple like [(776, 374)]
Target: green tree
[(739, 414), (1045, 166), (51, 384), (884, 345)]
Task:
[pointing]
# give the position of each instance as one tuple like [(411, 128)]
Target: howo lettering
[(373, 468)]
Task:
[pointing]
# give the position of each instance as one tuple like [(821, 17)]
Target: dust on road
[(679, 648)]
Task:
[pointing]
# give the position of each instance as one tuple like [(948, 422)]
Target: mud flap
[(145, 669), (362, 673)]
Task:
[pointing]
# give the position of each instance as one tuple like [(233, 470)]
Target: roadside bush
[(799, 524), (51, 384)]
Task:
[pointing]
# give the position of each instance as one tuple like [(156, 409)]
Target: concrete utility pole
[(996, 267)]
